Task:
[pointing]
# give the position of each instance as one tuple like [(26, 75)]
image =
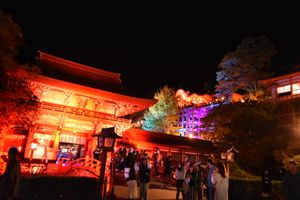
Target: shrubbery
[(250, 189)]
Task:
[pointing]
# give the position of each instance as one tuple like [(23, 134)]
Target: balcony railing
[(81, 112)]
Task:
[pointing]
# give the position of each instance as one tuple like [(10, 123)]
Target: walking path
[(156, 191)]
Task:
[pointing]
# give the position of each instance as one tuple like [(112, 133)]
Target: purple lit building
[(190, 120)]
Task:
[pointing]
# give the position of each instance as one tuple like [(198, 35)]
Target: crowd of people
[(136, 166), (193, 181)]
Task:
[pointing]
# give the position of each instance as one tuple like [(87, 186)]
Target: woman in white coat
[(221, 181)]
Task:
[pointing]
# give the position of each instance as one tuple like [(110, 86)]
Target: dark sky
[(179, 44)]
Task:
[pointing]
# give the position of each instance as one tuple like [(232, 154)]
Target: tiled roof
[(143, 136), (62, 69)]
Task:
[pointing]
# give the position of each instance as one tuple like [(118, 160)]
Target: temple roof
[(62, 69), (142, 136), (86, 80)]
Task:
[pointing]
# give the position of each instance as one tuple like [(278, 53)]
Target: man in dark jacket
[(144, 177)]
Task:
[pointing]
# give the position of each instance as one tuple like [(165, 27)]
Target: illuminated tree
[(18, 104), (241, 70), (163, 116)]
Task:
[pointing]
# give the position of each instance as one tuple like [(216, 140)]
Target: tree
[(18, 104), (241, 70), (163, 116), (252, 127)]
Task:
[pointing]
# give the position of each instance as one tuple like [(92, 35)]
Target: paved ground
[(157, 190)]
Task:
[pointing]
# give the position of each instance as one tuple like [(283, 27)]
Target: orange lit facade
[(75, 102)]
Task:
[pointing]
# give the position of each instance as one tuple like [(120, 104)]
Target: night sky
[(179, 44)]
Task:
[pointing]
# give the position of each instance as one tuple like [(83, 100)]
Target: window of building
[(74, 101), (52, 96), (284, 90), (296, 88), (90, 105)]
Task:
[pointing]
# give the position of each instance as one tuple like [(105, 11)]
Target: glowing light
[(191, 120), (34, 145), (185, 99), (191, 135)]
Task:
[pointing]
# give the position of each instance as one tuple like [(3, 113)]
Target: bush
[(57, 188), (249, 189)]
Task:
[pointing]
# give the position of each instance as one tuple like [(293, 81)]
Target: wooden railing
[(33, 168), (80, 111), (89, 164), (63, 166)]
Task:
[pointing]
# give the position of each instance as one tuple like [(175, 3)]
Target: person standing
[(144, 178), (128, 162), (11, 177), (221, 179), (180, 176), (132, 184), (193, 184), (200, 182), (168, 170), (209, 184), (156, 161), (291, 182)]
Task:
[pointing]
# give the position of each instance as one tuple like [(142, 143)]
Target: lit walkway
[(156, 189), (121, 192)]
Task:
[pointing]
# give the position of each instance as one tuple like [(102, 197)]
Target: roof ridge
[(76, 65)]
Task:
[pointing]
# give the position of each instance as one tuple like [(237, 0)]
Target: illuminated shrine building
[(76, 101), (190, 120)]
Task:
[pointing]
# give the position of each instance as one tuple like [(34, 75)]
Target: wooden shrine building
[(75, 102)]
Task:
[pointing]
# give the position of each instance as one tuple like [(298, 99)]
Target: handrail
[(80, 111), (89, 164)]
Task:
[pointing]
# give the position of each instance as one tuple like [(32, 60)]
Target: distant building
[(190, 120), (285, 90), (194, 107), (285, 86)]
